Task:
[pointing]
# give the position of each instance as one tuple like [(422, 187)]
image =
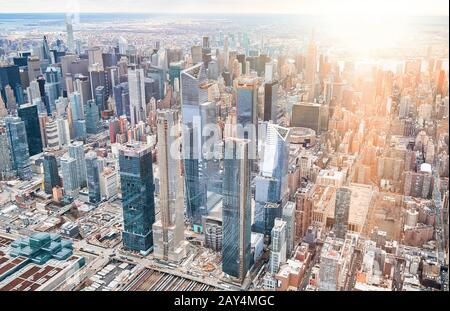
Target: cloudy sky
[(315, 7)]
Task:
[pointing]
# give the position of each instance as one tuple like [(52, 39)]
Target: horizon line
[(206, 13)]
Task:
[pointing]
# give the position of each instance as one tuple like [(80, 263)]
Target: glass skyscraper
[(51, 176), (271, 183), (69, 172), (29, 115), (193, 94), (93, 177), (138, 202), (92, 114), (76, 151), (17, 139), (236, 214)]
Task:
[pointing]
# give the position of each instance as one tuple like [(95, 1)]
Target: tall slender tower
[(311, 68), (168, 231), (69, 28), (236, 256), (137, 95)]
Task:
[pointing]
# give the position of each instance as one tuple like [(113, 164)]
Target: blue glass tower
[(138, 202), (193, 94), (236, 222), (17, 139), (92, 114)]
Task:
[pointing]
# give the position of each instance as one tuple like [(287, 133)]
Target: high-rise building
[(76, 151), (193, 93), (69, 171), (311, 69), (70, 41), (138, 110), (342, 211), (288, 215), (247, 101), (271, 184), (168, 231), (93, 177), (136, 180), (270, 101), (92, 115), (236, 210), (51, 176), (278, 245), (6, 166), (18, 144), (29, 115)]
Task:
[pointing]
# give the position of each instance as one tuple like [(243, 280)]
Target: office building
[(69, 173), (278, 245), (51, 176), (76, 151), (18, 144), (236, 214), (29, 115), (137, 187)]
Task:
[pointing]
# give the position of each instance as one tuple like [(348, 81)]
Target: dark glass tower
[(93, 177), (29, 115), (138, 202), (51, 176), (236, 222)]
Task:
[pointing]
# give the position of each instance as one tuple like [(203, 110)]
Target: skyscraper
[(6, 167), (92, 115), (341, 212), (17, 139), (246, 101), (278, 245), (138, 110), (29, 115), (69, 171), (270, 101), (271, 185), (311, 69), (51, 176), (69, 29), (76, 151), (93, 177), (168, 231), (193, 93), (236, 256), (136, 179)]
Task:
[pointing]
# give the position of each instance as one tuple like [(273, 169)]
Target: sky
[(345, 8)]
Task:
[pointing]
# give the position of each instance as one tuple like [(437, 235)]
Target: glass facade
[(92, 112), (17, 139), (236, 222), (93, 177), (51, 176), (29, 115), (136, 179), (76, 151), (192, 96)]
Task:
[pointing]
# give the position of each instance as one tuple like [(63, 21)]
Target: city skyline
[(198, 151), (350, 8)]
